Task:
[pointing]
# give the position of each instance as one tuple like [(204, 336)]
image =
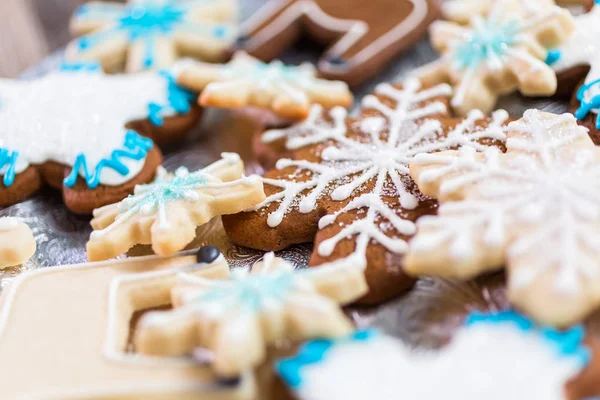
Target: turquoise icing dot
[(157, 194), (586, 106), (553, 56), (135, 147), (488, 42), (253, 292)]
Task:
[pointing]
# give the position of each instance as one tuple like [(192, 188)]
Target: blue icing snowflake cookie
[(152, 34), (501, 355), (79, 118)]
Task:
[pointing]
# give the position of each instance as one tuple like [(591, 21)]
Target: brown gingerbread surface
[(363, 37)]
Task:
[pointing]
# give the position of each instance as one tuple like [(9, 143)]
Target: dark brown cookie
[(363, 37)]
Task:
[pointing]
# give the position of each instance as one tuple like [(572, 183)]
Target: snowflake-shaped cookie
[(236, 316), (582, 50), (17, 243), (503, 356), (152, 34), (534, 209), (286, 90), (79, 122), (462, 11), (165, 213), (357, 180), (497, 54)]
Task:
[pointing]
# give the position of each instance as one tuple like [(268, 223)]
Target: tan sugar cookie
[(75, 346), (462, 11), (497, 54), (17, 243), (152, 34), (349, 190), (165, 213), (363, 37), (286, 90), (533, 209), (237, 314), (91, 135)]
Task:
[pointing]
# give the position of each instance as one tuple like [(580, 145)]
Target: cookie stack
[(423, 182)]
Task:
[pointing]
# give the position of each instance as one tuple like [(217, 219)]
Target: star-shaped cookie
[(287, 90), (166, 212), (347, 187), (238, 314), (152, 34)]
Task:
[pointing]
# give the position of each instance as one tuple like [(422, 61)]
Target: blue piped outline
[(567, 343), (135, 147), (586, 106)]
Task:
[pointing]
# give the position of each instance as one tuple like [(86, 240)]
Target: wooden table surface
[(30, 30)]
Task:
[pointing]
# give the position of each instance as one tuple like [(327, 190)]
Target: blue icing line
[(91, 66), (553, 56), (135, 147), (586, 106), (179, 100), (568, 343), (8, 160), (314, 352)]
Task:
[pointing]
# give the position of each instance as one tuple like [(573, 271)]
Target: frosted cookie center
[(488, 43)]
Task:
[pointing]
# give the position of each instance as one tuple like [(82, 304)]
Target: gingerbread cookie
[(152, 34), (83, 352), (165, 213), (462, 11), (533, 209), (286, 90), (17, 243), (349, 190), (363, 37), (577, 64), (236, 315), (497, 356), (87, 133), (497, 54)]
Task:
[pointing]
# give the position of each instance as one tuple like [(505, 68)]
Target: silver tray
[(426, 316)]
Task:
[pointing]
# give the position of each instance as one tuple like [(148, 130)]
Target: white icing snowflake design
[(380, 153), (501, 356), (535, 207)]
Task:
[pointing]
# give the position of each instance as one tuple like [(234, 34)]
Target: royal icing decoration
[(17, 243), (96, 353), (582, 49), (497, 54), (361, 42), (287, 90), (78, 118), (167, 211), (235, 316), (152, 32), (533, 209), (379, 154), (503, 356)]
